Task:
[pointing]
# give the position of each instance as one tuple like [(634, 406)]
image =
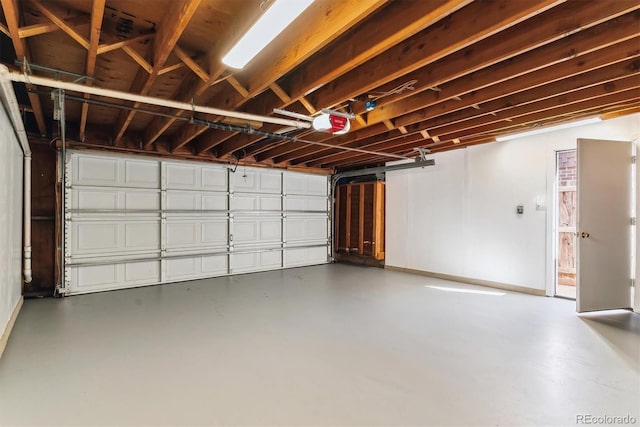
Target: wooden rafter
[(97, 13), (322, 23), (11, 13), (362, 45), (170, 29), (562, 106), (80, 39), (584, 42), (139, 59), (109, 47), (421, 49), (49, 27), (194, 88)]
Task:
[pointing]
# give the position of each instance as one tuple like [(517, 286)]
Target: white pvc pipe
[(13, 109), (27, 220), (109, 93)]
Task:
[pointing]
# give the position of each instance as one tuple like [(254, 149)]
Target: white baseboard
[(12, 320), (487, 283)]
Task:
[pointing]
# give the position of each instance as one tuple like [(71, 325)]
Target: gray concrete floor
[(324, 345)]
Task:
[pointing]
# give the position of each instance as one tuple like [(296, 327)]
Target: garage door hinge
[(633, 283), (633, 220), (633, 159)]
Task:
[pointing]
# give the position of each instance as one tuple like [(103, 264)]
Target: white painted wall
[(11, 162), (459, 216)]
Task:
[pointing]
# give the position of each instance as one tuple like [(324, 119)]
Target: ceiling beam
[(193, 89), (318, 26), (433, 44), (71, 32), (109, 47), (11, 13), (554, 24), (97, 13), (598, 38), (430, 45), (191, 63), (402, 19), (49, 27), (593, 105), (524, 86), (133, 54), (175, 20)]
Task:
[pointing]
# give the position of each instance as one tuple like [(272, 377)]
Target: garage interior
[(372, 218)]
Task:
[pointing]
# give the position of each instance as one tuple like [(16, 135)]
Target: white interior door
[(604, 224)]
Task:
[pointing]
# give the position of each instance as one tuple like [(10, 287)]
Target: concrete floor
[(324, 345)]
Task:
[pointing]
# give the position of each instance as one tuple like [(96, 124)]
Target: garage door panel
[(141, 174), (256, 202), (108, 237), (214, 179), (95, 278), (195, 177), (305, 184), (196, 201), (142, 199), (305, 203), (96, 198), (94, 238), (257, 231), (105, 198), (107, 171), (91, 170), (142, 235), (256, 181), (200, 266), (196, 233), (305, 256), (186, 220), (306, 229), (255, 261)]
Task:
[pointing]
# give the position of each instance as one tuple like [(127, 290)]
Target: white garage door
[(134, 221)]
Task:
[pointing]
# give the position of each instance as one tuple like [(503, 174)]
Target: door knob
[(584, 235)]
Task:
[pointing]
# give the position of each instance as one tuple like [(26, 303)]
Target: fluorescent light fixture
[(549, 129), (279, 15), (466, 291)]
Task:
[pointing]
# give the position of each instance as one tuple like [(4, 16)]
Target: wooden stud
[(189, 62), (138, 59), (97, 13), (61, 23), (425, 134), (403, 129), (175, 20), (49, 27), (429, 46), (171, 68), (11, 14), (280, 93), (5, 30), (306, 104), (237, 86), (109, 47)]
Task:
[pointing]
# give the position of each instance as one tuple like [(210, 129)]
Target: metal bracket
[(422, 153)]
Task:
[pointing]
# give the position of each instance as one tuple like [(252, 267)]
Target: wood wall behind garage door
[(43, 220), (136, 221)]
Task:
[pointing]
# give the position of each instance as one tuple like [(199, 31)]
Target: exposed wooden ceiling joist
[(444, 74)]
